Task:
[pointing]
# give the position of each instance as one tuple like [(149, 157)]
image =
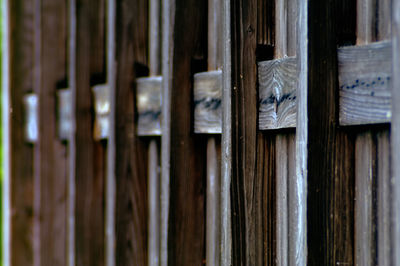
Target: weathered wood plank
[(277, 93), (207, 93), (248, 144), (395, 134), (184, 154), (52, 153), (282, 200), (383, 199), (131, 152), (328, 150), (365, 82), (90, 155), (6, 134), (365, 178), (21, 40), (149, 105), (302, 133), (226, 146)]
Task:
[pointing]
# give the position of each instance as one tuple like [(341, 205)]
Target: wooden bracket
[(365, 83), (277, 83), (149, 105), (207, 101), (102, 110), (64, 104), (31, 102)]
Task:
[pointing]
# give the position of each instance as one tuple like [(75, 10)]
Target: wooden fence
[(187, 132)]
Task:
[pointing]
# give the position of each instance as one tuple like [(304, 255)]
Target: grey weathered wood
[(282, 200), (277, 80), (300, 190), (148, 94), (64, 113), (207, 102), (364, 168), (31, 102), (365, 82), (226, 156), (395, 135), (110, 190), (154, 205), (6, 135), (384, 19), (71, 141), (212, 215), (154, 37), (168, 13), (366, 21), (383, 199), (102, 109)]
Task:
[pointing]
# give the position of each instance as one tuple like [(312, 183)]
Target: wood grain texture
[(21, 175), (131, 152), (365, 82), (395, 134), (265, 22), (326, 148), (53, 162), (250, 224), (383, 199), (277, 93), (207, 93), (226, 144), (90, 155), (149, 105), (365, 169), (184, 155)]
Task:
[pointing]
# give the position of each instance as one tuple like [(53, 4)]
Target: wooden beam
[(365, 82), (277, 93)]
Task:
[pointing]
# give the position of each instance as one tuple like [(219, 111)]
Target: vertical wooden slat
[(365, 175), (168, 14), (52, 153), (131, 152), (246, 178), (20, 176), (90, 155), (6, 134), (364, 168), (153, 169), (383, 199), (395, 134), (111, 150), (300, 190), (72, 140), (325, 147), (213, 143), (183, 161), (383, 157), (226, 149), (282, 199)]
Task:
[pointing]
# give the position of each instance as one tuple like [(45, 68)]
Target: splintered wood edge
[(365, 83), (277, 95), (148, 100), (364, 87), (207, 102)]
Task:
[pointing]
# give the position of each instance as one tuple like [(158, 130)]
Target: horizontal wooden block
[(207, 101), (31, 103), (64, 116), (365, 83), (102, 109), (277, 93), (148, 98)]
